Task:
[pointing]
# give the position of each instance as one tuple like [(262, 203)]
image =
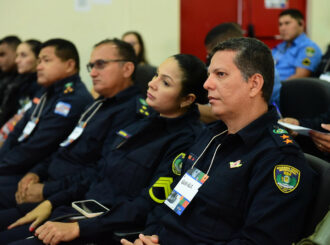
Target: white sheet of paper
[(299, 129)]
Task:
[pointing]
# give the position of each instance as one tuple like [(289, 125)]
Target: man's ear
[(128, 69), (187, 100), (256, 82), (71, 65)]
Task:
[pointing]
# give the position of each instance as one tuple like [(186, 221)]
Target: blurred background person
[(144, 72)]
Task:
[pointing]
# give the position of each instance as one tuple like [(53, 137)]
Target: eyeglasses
[(100, 64)]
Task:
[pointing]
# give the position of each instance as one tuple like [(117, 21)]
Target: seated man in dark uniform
[(245, 181), (111, 68), (53, 115)]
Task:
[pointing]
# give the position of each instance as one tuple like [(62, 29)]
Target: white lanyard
[(79, 129), (30, 126)]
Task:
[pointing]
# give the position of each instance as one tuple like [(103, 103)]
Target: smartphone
[(89, 208)]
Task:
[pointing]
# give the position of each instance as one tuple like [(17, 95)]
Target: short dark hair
[(222, 33), (252, 56), (194, 75), (64, 49), (12, 41), (125, 50), (294, 13), (141, 57), (35, 46)]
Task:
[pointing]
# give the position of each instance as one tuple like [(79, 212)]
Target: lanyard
[(96, 104), (30, 126), (39, 108), (79, 129), (215, 152)]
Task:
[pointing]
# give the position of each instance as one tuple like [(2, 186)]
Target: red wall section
[(199, 16)]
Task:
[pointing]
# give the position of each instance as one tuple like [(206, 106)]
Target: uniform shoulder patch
[(62, 108), (310, 51), (142, 107), (177, 163), (286, 178), (306, 62), (161, 189), (68, 88), (281, 136)]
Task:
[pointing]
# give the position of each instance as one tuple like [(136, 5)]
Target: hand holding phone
[(89, 208)]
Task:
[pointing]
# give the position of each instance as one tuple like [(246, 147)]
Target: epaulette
[(68, 88), (142, 107), (282, 137)]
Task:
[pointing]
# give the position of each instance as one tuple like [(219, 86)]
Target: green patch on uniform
[(161, 189), (310, 51), (68, 88), (177, 163), (306, 62), (286, 178), (142, 107), (143, 102), (280, 131)]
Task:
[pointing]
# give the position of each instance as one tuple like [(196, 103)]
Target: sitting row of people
[(153, 163)]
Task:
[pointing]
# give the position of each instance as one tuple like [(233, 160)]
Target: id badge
[(75, 134), (186, 190), (29, 127)]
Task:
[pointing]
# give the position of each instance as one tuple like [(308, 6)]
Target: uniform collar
[(299, 39), (252, 132), (123, 95), (173, 124), (59, 85)]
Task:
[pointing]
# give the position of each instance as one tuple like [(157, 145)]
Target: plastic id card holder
[(29, 127), (186, 190), (75, 134)]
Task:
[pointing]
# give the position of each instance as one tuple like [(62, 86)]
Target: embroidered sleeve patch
[(310, 51), (62, 108), (286, 178), (306, 62), (161, 189), (177, 163)]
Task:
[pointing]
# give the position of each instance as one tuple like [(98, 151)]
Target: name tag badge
[(75, 134), (28, 129), (186, 190)]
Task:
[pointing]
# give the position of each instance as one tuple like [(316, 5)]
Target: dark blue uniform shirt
[(136, 158), (258, 190), (65, 101), (81, 156)]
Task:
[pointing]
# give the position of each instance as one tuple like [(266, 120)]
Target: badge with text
[(29, 127), (75, 134), (286, 178), (186, 190)]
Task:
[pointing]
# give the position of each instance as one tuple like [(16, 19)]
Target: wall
[(156, 20), (318, 22)]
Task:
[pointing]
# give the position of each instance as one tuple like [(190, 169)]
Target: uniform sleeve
[(11, 141), (49, 133), (309, 57), (280, 191), (127, 212), (86, 174)]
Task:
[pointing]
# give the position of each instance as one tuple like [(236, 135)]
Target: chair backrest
[(304, 97), (321, 202)]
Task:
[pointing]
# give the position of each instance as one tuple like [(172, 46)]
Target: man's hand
[(34, 193), (143, 240), (55, 232), (292, 121), (322, 140), (23, 185), (37, 216)]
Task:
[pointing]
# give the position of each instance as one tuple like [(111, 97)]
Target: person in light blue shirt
[(297, 56)]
